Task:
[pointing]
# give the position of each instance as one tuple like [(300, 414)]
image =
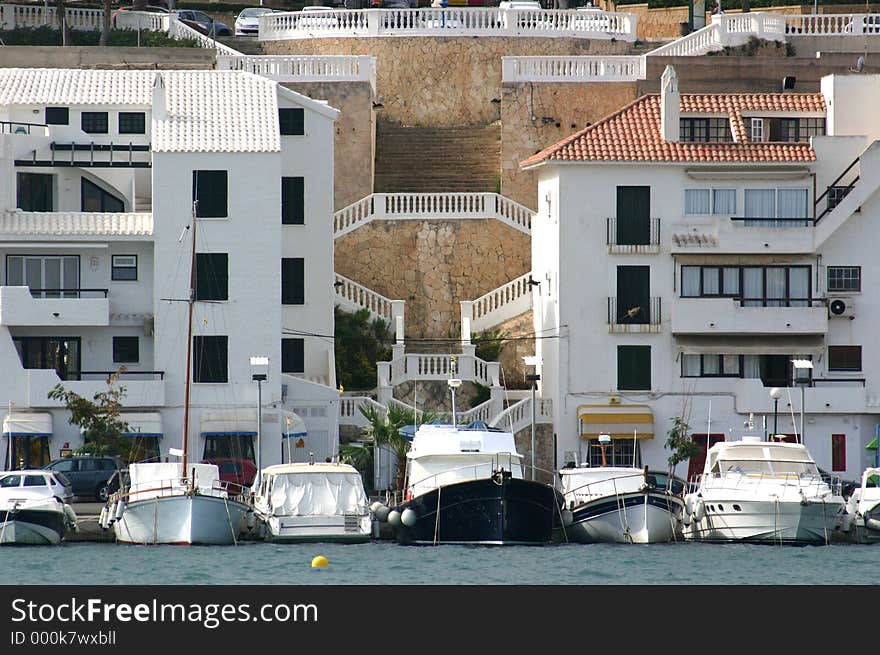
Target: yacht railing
[(809, 484), (578, 496), (178, 486), (423, 485)]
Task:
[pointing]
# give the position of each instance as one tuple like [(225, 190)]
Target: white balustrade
[(623, 68), (349, 409), (349, 292), (432, 206), (13, 16), (482, 412), (705, 39), (179, 30), (832, 24), (499, 305), (304, 68), (143, 20), (451, 21), (518, 416)]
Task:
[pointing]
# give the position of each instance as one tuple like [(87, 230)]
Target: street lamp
[(802, 369), (259, 373), (775, 394), (532, 360)]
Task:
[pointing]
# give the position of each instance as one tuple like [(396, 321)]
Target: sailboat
[(178, 503)]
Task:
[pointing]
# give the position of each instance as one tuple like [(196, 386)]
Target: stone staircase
[(437, 159)]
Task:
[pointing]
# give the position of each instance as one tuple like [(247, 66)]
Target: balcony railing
[(103, 375), (780, 302), (17, 127), (633, 315), (69, 293), (622, 235), (773, 221)]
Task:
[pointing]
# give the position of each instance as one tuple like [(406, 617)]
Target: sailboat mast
[(190, 300)]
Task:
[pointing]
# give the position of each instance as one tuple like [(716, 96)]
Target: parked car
[(203, 23), (237, 471), (39, 481), (247, 23), (88, 474)]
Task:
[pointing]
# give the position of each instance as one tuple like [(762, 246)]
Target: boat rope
[(156, 520), (561, 520), (229, 521), (6, 520), (621, 514), (776, 520), (824, 522), (672, 520), (437, 518)]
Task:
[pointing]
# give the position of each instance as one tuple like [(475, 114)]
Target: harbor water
[(258, 563)]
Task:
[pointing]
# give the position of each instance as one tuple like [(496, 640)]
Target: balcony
[(721, 234), (627, 237), (142, 389), (627, 320), (23, 307), (727, 316), (848, 398)]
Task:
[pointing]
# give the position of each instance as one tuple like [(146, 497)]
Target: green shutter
[(634, 368)]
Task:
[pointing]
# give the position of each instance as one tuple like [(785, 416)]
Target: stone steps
[(437, 159)]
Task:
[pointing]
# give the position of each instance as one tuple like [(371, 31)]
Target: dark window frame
[(293, 201), (844, 278), (209, 346), (293, 362), (632, 385), (847, 362), (53, 116), (115, 270), (132, 122), (705, 129), (109, 203), (722, 373), (47, 194), (210, 190), (210, 285), (764, 299), (122, 350), (291, 292), (292, 121), (838, 452), (95, 122)]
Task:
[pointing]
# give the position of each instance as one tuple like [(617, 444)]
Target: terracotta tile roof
[(633, 132)]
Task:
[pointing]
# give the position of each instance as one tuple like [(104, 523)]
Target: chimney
[(160, 100), (669, 105)]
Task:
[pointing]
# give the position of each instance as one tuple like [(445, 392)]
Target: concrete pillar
[(467, 316)]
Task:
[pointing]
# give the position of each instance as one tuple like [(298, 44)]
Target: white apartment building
[(101, 173), (689, 248)]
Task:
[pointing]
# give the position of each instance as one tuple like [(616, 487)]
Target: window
[(34, 192), (293, 356), (696, 201), (292, 201), (210, 193), (633, 215), (757, 129), (95, 199), (710, 201), (210, 359), (57, 116), (634, 368), (59, 353), (757, 286), (786, 130), (48, 276), (236, 445), (212, 276), (838, 452), (293, 281), (844, 358), (705, 130), (844, 278), (763, 205), (126, 350), (620, 452), (132, 122), (94, 122), (711, 366), (710, 281), (724, 202), (292, 121), (124, 268)]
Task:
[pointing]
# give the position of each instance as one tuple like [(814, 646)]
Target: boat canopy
[(601, 480), (763, 457), (434, 439), (619, 421), (154, 479), (316, 492)]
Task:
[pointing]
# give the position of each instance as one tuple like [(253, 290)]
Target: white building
[(100, 172), (689, 247)]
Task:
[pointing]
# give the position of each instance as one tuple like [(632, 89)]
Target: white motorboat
[(30, 511), (161, 505), (617, 504), (312, 502), (862, 521), (761, 491)]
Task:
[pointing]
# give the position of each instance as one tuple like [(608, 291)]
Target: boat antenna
[(190, 300)]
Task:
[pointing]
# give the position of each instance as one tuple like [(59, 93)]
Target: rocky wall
[(442, 82), (433, 266)]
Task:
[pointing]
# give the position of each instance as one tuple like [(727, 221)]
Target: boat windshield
[(766, 467), (10, 481)]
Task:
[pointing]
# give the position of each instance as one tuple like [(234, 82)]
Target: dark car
[(238, 471), (203, 23), (88, 474)]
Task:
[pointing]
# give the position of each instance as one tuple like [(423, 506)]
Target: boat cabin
[(753, 457)]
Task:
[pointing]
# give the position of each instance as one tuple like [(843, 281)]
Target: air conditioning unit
[(841, 308)]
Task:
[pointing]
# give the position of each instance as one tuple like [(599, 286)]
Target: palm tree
[(384, 432)]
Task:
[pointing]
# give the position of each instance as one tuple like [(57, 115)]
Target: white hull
[(16, 532), (767, 521), (334, 528), (627, 519), (181, 520)]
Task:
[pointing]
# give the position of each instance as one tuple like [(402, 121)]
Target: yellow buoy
[(319, 562)]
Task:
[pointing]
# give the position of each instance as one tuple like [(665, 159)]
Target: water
[(389, 563)]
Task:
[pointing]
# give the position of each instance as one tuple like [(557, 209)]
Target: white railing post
[(374, 21), (397, 321), (384, 390)]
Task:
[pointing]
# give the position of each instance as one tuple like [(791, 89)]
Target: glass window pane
[(792, 203), (711, 281), (799, 286), (730, 364), (753, 286), (690, 366), (730, 276), (760, 203), (690, 281), (776, 285), (696, 201), (711, 364), (724, 202), (15, 271)]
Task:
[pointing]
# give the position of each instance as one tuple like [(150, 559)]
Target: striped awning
[(619, 421), (142, 424), (36, 424)]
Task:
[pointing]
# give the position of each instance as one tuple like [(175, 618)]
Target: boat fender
[(689, 504), (686, 518), (103, 518), (394, 518), (408, 517), (120, 509), (70, 517), (111, 514), (408, 495), (250, 519), (382, 512), (872, 524), (567, 518), (699, 510), (375, 506)]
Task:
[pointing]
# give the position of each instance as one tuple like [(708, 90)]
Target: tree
[(679, 443), (359, 344), (99, 418), (489, 343), (61, 17), (384, 432), (105, 23)]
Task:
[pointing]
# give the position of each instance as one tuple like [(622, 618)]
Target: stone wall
[(12, 56), (571, 107), (355, 135), (544, 451), (433, 265), (442, 82)]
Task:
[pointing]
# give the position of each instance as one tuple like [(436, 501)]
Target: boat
[(178, 503), (308, 502), (759, 491), (861, 524), (465, 485), (619, 504), (30, 511)]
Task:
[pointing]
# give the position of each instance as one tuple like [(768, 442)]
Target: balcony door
[(48, 276), (59, 353), (633, 295), (633, 215)]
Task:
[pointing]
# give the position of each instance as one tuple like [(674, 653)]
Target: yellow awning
[(619, 421)]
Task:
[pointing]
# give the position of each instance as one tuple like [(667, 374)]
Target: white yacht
[(31, 512), (312, 502), (862, 521), (761, 491)]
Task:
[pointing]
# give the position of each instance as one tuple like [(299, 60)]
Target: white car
[(35, 484), (247, 23)]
